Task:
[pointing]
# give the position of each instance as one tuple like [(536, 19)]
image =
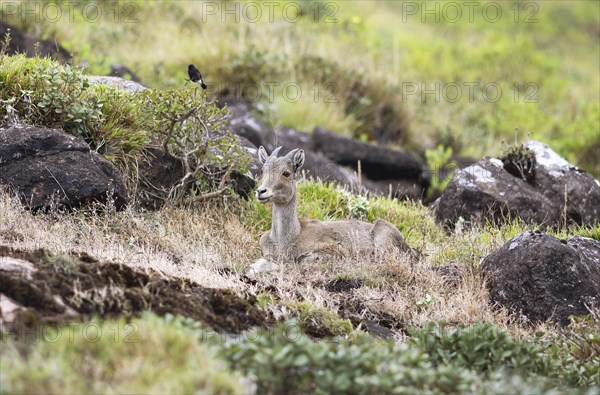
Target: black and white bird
[(195, 76)]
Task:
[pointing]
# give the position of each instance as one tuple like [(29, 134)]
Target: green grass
[(545, 65), (328, 202), (148, 355), (469, 359), (154, 354)]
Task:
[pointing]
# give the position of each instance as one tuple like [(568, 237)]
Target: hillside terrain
[(142, 290)]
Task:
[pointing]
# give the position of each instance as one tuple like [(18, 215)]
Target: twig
[(206, 196)]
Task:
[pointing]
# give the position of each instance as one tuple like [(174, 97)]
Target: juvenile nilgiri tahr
[(294, 239)]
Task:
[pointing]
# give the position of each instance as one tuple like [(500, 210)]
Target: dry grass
[(189, 243), (198, 242)]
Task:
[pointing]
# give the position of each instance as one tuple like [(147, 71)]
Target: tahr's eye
[(287, 174)]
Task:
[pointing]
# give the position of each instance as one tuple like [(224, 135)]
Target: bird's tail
[(203, 85)]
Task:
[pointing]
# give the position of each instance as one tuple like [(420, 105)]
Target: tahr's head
[(278, 183)]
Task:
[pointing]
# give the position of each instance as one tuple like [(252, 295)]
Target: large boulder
[(333, 158), (484, 191), (564, 183), (542, 277), (377, 163), (539, 188), (50, 168), (118, 82), (244, 124)]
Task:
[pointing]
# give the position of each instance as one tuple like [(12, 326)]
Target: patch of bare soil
[(40, 288)]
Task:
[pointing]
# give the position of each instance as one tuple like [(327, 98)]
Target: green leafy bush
[(120, 124), (486, 349), (481, 347), (194, 130), (476, 359), (43, 92), (46, 93)]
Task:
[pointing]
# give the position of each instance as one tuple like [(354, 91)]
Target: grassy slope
[(552, 56), (218, 236), (196, 246)]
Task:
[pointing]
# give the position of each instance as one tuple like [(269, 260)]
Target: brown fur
[(296, 239)]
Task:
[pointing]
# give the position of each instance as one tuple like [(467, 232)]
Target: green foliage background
[(357, 62)]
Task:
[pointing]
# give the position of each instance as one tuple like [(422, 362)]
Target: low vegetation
[(120, 125), (477, 349), (148, 355), (171, 354), (446, 337)]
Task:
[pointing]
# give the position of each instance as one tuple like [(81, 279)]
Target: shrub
[(284, 360), (484, 348), (120, 125), (194, 131), (44, 92)]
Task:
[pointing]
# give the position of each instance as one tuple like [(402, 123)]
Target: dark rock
[(316, 164), (158, 173), (543, 278), (290, 138), (242, 123), (255, 167), (560, 181), (399, 189), (119, 70), (327, 155), (374, 329), (32, 46), (377, 163), (242, 184), (486, 191), (319, 167), (50, 168)]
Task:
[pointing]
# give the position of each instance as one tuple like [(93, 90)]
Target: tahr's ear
[(262, 154), (298, 159)]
